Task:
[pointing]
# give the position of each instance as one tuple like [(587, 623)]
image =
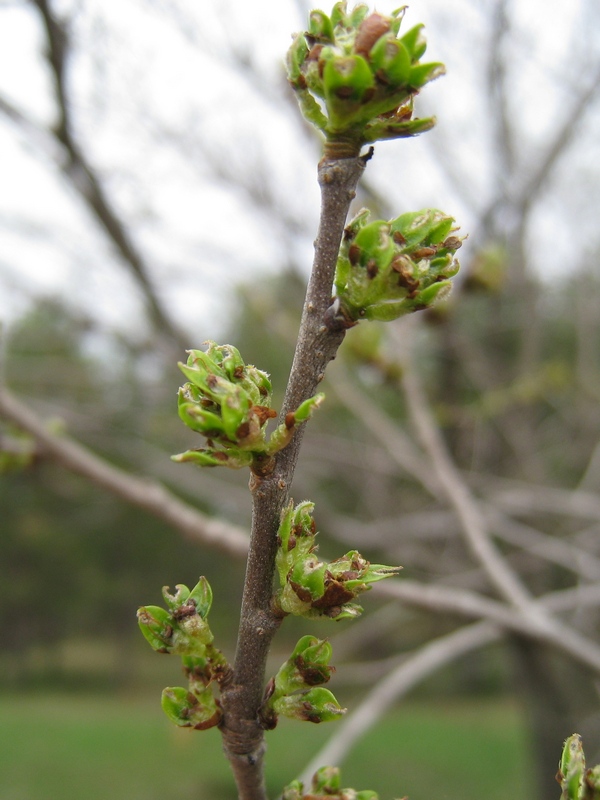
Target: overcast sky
[(159, 99)]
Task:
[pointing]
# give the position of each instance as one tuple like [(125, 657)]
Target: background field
[(70, 747)]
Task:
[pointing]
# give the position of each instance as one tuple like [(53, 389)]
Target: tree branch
[(422, 663), (84, 179), (412, 671), (457, 494), (395, 442), (141, 492), (316, 346), (536, 624)]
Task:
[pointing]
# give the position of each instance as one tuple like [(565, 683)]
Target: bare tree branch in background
[(460, 510), (141, 492), (414, 669), (83, 177)]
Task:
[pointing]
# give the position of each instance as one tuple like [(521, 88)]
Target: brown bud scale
[(354, 254), (424, 252), (371, 29)]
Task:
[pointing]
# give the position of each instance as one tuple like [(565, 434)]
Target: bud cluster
[(183, 630), (229, 403), (577, 782), (356, 78), (388, 269), (297, 692), (326, 785), (313, 588)]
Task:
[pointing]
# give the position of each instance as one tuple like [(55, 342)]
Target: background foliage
[(510, 366)]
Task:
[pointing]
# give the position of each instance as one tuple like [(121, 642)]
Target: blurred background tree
[(159, 191)]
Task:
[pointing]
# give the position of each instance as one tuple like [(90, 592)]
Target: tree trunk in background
[(558, 698)]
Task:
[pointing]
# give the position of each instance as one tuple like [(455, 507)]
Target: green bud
[(374, 243), (228, 402), (327, 780), (183, 629), (307, 666), (365, 74), (285, 527), (592, 783), (235, 459), (221, 399), (356, 572), (156, 625), (293, 791), (306, 409), (421, 74), (199, 365), (345, 81), (309, 576), (326, 783), (229, 359), (296, 535), (400, 128), (414, 41), (258, 385), (320, 27), (188, 709), (290, 601), (197, 418), (296, 56), (387, 269), (314, 705), (339, 15), (420, 228), (572, 768), (197, 667), (282, 435), (391, 60), (311, 110), (178, 598), (202, 596), (310, 587), (357, 15)]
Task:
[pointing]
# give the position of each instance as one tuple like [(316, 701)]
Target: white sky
[(157, 103)]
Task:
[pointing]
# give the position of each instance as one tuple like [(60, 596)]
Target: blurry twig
[(396, 684), (82, 175), (141, 492), (396, 443), (457, 494), (422, 663), (549, 548)]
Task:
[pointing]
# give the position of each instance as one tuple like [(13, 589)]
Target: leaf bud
[(388, 269), (156, 625), (326, 785), (365, 74), (313, 705), (191, 709), (572, 769), (307, 666)]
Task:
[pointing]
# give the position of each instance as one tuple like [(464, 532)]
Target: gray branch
[(146, 494)]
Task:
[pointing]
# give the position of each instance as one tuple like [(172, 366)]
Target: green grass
[(91, 748)]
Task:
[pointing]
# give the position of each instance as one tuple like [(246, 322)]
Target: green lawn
[(79, 748)]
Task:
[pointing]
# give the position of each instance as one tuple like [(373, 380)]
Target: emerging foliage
[(326, 785), (355, 77), (183, 630), (577, 782), (314, 588), (229, 403), (388, 269)]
